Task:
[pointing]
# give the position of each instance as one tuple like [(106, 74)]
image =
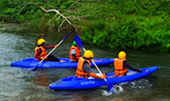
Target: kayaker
[(121, 65), (40, 52), (75, 52), (84, 66)]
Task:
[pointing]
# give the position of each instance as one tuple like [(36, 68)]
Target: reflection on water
[(24, 85)]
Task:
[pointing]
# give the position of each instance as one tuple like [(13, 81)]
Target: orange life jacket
[(80, 72), (119, 69), (78, 53), (43, 52)]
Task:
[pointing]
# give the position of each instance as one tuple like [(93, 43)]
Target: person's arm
[(48, 47), (125, 64), (87, 69), (92, 74), (37, 55), (73, 53)]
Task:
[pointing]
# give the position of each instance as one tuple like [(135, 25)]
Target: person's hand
[(62, 61), (56, 46), (104, 76), (42, 58)]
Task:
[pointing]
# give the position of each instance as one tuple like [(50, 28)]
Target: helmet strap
[(87, 58)]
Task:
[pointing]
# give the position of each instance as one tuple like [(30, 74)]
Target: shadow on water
[(23, 85)]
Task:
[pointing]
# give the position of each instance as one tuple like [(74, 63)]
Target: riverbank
[(102, 39), (141, 25)]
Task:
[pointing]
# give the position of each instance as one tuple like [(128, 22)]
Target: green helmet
[(74, 43)]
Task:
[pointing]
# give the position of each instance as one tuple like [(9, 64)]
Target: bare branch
[(60, 25), (56, 11), (65, 19)]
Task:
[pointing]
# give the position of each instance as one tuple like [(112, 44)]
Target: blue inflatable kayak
[(83, 83), (31, 62)]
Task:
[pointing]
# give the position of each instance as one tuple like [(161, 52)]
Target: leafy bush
[(137, 24)]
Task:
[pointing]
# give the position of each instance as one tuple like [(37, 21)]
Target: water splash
[(106, 93), (140, 84), (115, 90)]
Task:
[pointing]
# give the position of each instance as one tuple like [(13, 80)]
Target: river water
[(19, 84)]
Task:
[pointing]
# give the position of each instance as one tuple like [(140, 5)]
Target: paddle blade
[(78, 41), (110, 88), (36, 66)]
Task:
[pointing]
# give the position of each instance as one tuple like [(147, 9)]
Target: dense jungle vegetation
[(133, 24)]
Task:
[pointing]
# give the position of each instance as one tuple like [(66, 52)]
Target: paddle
[(35, 67), (79, 42)]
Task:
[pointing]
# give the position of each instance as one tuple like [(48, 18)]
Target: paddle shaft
[(58, 44)]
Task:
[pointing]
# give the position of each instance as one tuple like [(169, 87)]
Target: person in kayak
[(40, 52), (84, 66), (75, 52), (121, 65)]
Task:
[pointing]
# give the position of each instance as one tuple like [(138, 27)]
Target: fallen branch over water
[(60, 15)]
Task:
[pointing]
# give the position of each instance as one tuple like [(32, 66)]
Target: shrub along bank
[(134, 24)]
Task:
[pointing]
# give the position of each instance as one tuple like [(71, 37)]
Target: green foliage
[(137, 24)]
